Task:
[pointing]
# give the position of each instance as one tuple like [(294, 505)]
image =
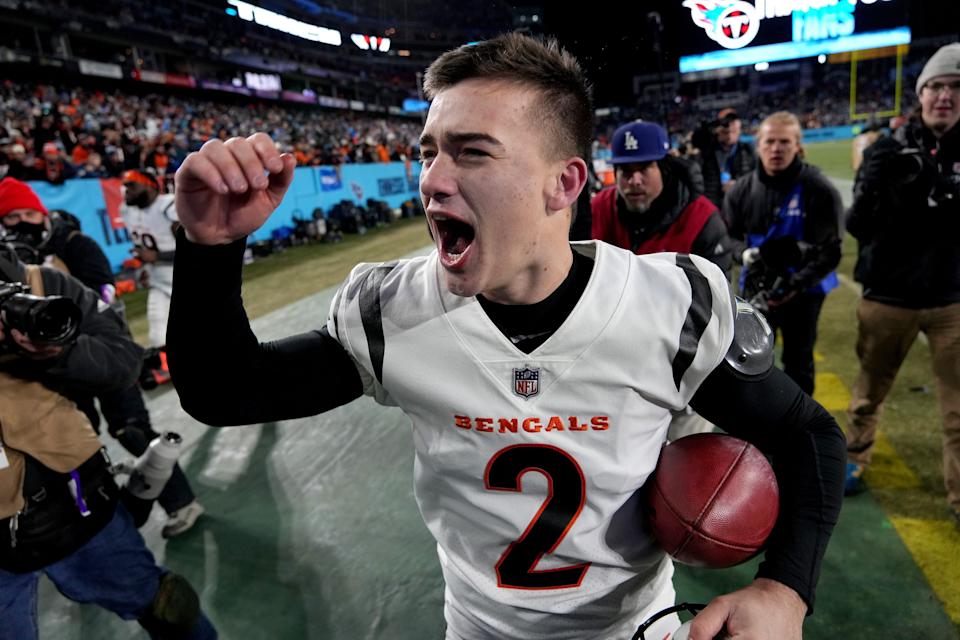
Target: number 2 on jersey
[(566, 495)]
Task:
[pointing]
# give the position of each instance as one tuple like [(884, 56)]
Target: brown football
[(713, 500)]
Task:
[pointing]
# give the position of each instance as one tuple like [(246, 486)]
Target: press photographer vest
[(44, 425), (788, 221)]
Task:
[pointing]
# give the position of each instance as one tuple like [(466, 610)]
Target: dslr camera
[(53, 320)]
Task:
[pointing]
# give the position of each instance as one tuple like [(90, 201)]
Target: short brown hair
[(539, 63)]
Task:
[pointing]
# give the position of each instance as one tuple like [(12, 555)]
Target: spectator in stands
[(141, 125), (45, 131), (784, 221), (14, 158), (723, 156), (92, 167), (906, 218), (114, 162), (158, 158), (83, 149), (53, 166)]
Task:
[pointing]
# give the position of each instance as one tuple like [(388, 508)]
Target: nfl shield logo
[(526, 382)]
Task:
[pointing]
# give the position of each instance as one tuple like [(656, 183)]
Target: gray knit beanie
[(945, 62)]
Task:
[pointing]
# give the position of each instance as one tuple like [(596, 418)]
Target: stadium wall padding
[(96, 201)]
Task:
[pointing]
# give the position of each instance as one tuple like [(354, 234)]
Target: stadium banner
[(96, 202), (101, 69), (730, 33), (323, 187), (88, 198), (831, 133)]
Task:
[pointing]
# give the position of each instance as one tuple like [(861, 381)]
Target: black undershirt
[(529, 325), (209, 339)]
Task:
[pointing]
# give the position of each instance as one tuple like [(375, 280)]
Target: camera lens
[(52, 320), (55, 322)]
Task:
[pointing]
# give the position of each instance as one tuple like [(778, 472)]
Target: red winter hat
[(18, 195)]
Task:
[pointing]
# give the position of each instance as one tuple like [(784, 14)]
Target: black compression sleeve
[(223, 374), (808, 452)]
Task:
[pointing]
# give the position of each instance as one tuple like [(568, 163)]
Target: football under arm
[(808, 453), (223, 374)]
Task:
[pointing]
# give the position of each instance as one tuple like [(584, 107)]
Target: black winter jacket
[(102, 358), (906, 218), (743, 161), (752, 203)]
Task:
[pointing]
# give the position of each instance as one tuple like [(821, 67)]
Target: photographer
[(61, 513), (103, 357), (723, 156), (906, 218), (57, 235), (60, 509), (784, 220)]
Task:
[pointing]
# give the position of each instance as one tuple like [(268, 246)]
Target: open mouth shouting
[(454, 239)]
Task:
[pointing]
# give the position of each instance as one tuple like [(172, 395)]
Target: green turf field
[(894, 564), (832, 157)]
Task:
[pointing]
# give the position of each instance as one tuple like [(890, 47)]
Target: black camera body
[(52, 320)]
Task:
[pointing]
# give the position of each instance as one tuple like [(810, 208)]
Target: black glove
[(878, 161), (781, 253), (887, 164)]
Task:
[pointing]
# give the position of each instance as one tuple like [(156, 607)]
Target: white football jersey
[(152, 227), (528, 466)]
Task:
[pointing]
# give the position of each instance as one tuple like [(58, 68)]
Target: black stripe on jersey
[(371, 316), (698, 315), (167, 209)]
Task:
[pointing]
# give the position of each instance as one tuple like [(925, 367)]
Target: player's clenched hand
[(764, 610), (227, 190)]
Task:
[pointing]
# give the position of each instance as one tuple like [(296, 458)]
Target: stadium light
[(762, 66), (280, 22), (370, 43)]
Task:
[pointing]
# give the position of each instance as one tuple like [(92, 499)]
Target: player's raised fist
[(227, 190)]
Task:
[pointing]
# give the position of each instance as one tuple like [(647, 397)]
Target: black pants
[(129, 422), (797, 322)]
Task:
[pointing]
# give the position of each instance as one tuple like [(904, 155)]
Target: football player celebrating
[(553, 363), (151, 218)]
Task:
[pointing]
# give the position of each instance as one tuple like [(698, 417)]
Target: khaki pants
[(885, 336)]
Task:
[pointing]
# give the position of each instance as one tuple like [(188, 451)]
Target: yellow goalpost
[(855, 57)]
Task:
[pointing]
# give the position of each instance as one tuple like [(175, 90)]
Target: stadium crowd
[(53, 133)]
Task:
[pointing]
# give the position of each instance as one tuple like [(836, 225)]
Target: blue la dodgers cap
[(639, 141)]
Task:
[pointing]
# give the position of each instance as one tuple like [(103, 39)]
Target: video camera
[(769, 277), (53, 320)]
